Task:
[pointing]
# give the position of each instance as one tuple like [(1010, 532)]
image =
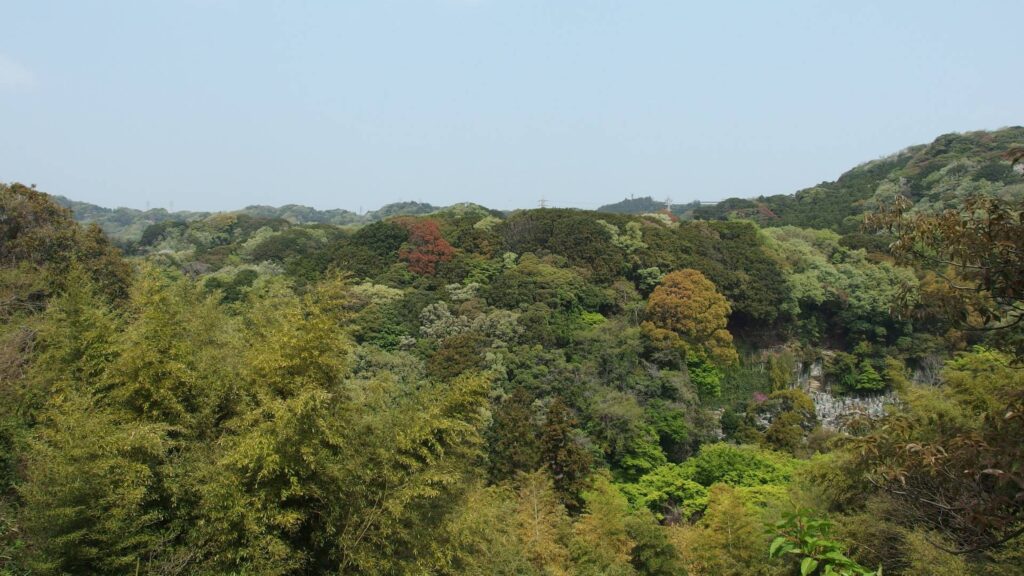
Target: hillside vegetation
[(831, 388), (128, 224), (935, 176)]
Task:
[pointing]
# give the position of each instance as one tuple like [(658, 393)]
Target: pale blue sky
[(217, 104)]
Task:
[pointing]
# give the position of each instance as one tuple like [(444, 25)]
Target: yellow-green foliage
[(780, 368), (924, 557), (91, 488), (729, 540)]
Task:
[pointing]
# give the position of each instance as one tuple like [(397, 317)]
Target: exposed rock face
[(927, 370), (836, 412), (809, 378)]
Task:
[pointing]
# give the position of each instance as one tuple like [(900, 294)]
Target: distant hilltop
[(935, 176), (130, 223)]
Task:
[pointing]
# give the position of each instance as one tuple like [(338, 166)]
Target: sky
[(220, 104)]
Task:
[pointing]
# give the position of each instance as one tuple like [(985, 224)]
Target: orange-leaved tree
[(686, 303)]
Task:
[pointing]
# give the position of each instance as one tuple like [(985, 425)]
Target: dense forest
[(822, 383)]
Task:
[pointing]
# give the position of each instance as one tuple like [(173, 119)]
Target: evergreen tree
[(513, 445), (652, 554), (565, 459), (868, 379)]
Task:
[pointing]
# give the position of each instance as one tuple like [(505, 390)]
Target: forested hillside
[(825, 383), (128, 224), (934, 176)]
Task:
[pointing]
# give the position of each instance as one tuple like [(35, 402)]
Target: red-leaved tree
[(426, 246)]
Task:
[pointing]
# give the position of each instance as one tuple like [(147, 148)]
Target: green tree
[(564, 457), (513, 444), (868, 380), (176, 355), (91, 489), (669, 492), (76, 340), (729, 540), (669, 423), (479, 539), (42, 235), (601, 542), (331, 471), (357, 484), (653, 553), (705, 376), (739, 466)]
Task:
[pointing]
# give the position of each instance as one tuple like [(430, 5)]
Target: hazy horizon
[(208, 105)]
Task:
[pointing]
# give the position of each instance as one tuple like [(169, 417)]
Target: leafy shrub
[(809, 539), (739, 466)]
